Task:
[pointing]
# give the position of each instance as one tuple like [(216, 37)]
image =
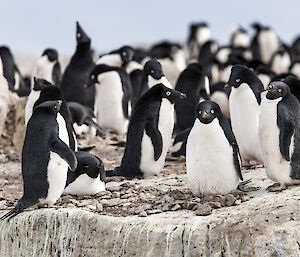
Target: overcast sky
[(31, 26)]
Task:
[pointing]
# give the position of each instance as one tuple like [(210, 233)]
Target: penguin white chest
[(32, 98), (62, 129), (43, 69), (85, 185), (277, 168), (209, 160), (148, 165), (244, 114), (109, 96)]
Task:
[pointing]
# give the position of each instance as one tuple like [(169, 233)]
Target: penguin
[(83, 116), (220, 95), (199, 33), (195, 85), (280, 61), (279, 131), (77, 72), (294, 85), (117, 58), (45, 160), (113, 97), (89, 176), (264, 74), (295, 68), (48, 67), (213, 163), (244, 105), (44, 91), (135, 72), (207, 52), (295, 49), (239, 37), (179, 144), (4, 101), (149, 133)]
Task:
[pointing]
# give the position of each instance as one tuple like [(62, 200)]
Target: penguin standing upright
[(149, 134), (135, 72), (239, 38), (279, 130), (113, 97), (244, 104), (212, 155), (44, 91), (89, 176), (295, 68), (45, 160), (294, 85), (195, 85), (280, 61), (48, 67), (77, 72)]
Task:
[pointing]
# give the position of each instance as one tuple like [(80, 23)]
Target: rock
[(143, 214), (191, 205), (237, 202), (149, 212), (203, 210), (91, 207), (230, 200), (99, 207), (176, 207), (111, 202)]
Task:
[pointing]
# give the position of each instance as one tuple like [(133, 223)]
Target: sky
[(31, 26)]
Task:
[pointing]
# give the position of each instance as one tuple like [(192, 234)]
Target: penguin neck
[(83, 49)]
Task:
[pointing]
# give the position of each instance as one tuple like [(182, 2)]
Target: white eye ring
[(92, 76), (168, 93), (200, 112), (279, 90), (212, 111), (152, 71), (124, 53), (78, 35), (237, 80)]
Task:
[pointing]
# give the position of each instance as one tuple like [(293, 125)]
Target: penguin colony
[(224, 107)]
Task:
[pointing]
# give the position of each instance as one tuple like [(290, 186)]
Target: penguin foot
[(276, 187), (242, 187)]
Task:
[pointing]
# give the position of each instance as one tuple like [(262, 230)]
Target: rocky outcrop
[(266, 225)]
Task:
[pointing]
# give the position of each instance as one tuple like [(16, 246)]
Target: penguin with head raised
[(77, 72), (195, 85), (213, 162), (149, 134), (44, 91), (117, 58), (113, 97), (279, 131), (244, 104), (89, 176), (45, 160), (48, 67)]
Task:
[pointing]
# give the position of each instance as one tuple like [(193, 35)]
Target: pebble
[(111, 202), (203, 210), (149, 212), (143, 214), (176, 207), (99, 207)]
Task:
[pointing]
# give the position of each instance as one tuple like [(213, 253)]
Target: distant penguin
[(264, 74), (113, 97), (220, 95), (213, 162), (82, 115), (45, 160), (244, 104), (199, 33), (207, 52), (117, 58), (48, 67), (44, 91), (135, 72), (279, 130), (294, 85), (4, 101), (295, 69), (280, 61), (149, 133), (89, 176), (179, 144), (195, 85), (77, 72), (239, 37)]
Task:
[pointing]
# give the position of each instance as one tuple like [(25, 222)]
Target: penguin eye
[(270, 87), (279, 90), (78, 35), (124, 53), (92, 76), (152, 71), (86, 166), (212, 111), (168, 93), (200, 112), (237, 80)]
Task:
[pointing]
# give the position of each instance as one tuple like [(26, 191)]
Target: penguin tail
[(20, 207), (101, 130), (115, 172)]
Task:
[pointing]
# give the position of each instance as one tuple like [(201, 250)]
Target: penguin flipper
[(156, 139), (115, 172), (101, 130), (59, 147)]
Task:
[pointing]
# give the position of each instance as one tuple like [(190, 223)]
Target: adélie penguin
[(89, 176), (117, 58), (244, 105), (77, 72), (212, 155), (45, 160), (279, 130), (113, 97), (149, 134)]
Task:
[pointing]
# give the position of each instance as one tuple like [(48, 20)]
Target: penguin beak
[(182, 96), (227, 86), (205, 115), (88, 84)]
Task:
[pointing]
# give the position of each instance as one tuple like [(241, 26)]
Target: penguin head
[(81, 36), (277, 89), (207, 111), (240, 74), (91, 165), (170, 94), (51, 54), (126, 53), (53, 106), (154, 69), (293, 83), (95, 75), (40, 84)]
